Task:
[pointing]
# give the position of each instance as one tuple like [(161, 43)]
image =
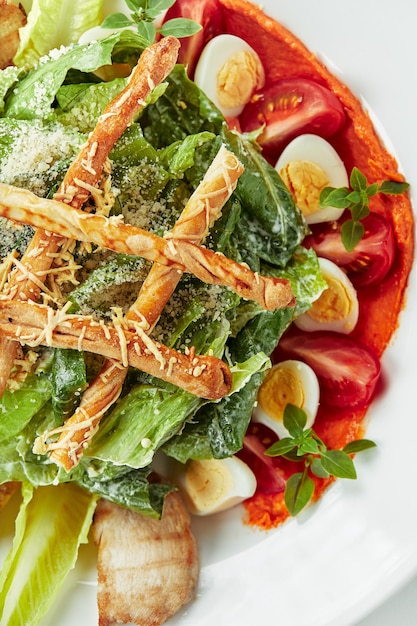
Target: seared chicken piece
[(11, 19), (6, 492), (147, 568)]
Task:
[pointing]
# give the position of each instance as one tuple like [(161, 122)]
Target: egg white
[(317, 150), (272, 416), (212, 59), (333, 321), (212, 485)]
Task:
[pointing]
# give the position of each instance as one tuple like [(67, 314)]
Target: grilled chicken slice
[(147, 569)]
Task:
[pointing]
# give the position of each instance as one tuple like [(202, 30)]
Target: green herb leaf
[(358, 446), (116, 20), (180, 27), (335, 197), (304, 445), (162, 5), (143, 14), (357, 180), (136, 5), (295, 420), (393, 187), (372, 190), (308, 446), (357, 201), (147, 30), (281, 447), (351, 232), (338, 463), (318, 469), (360, 210), (298, 492)]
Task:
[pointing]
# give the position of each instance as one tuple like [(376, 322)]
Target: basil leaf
[(298, 492), (338, 464), (295, 420), (393, 187), (180, 27), (351, 232), (357, 180), (358, 446), (281, 447)]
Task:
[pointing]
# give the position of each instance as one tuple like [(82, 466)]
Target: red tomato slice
[(291, 107), (372, 257), (347, 370), (270, 477), (209, 14)]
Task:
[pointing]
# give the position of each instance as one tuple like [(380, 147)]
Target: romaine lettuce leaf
[(129, 488), (34, 94), (18, 407), (69, 380), (52, 523), (81, 104), (55, 23)]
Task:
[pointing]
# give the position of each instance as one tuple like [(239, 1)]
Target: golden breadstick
[(202, 209), (210, 267), (37, 324), (154, 65)]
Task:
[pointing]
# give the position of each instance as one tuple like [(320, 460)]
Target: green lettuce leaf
[(81, 104), (55, 23), (33, 95), (45, 548), (69, 380), (129, 488), (18, 407)]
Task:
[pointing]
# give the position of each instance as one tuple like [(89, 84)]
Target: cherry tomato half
[(209, 14), (291, 107), (372, 257), (270, 477), (347, 370)]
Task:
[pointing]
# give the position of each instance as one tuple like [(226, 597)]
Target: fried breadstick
[(202, 209), (210, 267), (37, 324), (154, 65)]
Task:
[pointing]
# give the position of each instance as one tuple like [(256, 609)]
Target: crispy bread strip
[(37, 324), (154, 65), (210, 267), (202, 209), (147, 568)]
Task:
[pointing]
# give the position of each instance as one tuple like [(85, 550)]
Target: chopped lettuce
[(52, 523)]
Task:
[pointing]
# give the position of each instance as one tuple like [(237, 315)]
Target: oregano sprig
[(356, 199), (304, 445), (142, 16)]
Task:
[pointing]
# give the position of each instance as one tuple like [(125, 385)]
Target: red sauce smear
[(284, 56)]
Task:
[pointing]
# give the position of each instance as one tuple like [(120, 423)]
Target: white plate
[(347, 554)]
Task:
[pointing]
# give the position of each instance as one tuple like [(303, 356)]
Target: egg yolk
[(206, 482), (334, 303), (239, 77), (280, 387), (305, 180)]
